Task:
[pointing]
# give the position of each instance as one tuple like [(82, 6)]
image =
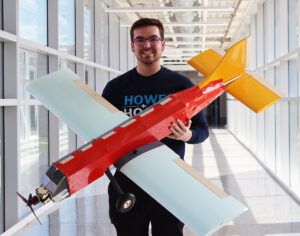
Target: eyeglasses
[(153, 40)]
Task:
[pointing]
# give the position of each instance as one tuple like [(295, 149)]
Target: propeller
[(31, 201)]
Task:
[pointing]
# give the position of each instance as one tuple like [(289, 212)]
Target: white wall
[(274, 134)]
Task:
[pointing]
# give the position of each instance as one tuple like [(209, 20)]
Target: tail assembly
[(249, 88)]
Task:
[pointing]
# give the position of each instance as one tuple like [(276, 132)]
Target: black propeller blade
[(31, 201), (23, 198)]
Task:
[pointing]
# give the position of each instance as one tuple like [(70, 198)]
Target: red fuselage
[(153, 124)]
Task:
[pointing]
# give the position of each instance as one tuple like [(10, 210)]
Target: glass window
[(104, 34), (32, 66), (114, 41), (66, 26), (256, 40), (1, 140), (33, 161), (63, 64), (89, 13), (277, 125), (298, 21), (101, 83), (293, 24), (265, 26), (1, 70), (294, 126), (33, 20), (276, 27), (293, 78), (1, 15), (67, 138), (90, 77), (294, 146), (1, 172)]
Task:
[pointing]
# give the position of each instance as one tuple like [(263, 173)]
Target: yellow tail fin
[(250, 89), (207, 61)]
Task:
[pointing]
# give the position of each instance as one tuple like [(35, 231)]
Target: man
[(132, 92)]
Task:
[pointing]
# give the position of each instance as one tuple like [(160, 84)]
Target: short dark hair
[(147, 22)]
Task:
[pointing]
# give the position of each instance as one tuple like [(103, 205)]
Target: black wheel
[(125, 202)]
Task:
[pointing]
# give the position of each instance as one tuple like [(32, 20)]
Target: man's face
[(151, 50)]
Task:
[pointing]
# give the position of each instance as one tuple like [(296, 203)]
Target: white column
[(283, 27), (53, 66), (282, 165), (98, 32), (270, 129), (11, 115), (80, 71), (53, 120), (79, 28), (79, 16), (260, 62), (98, 44), (253, 123), (283, 162), (269, 31), (253, 34), (123, 49), (130, 56), (297, 176), (260, 35), (270, 112), (114, 42)]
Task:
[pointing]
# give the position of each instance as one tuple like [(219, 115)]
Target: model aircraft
[(132, 144)]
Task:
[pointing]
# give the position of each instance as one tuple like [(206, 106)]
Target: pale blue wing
[(190, 200), (81, 111)]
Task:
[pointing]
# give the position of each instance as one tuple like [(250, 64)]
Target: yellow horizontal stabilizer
[(249, 88), (207, 61), (254, 92)]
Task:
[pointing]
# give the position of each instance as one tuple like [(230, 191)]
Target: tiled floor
[(223, 160)]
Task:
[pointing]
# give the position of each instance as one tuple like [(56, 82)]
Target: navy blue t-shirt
[(132, 93)]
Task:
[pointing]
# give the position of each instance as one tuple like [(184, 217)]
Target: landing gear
[(125, 201)]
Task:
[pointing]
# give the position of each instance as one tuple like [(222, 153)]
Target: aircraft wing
[(157, 169), (181, 189), (80, 107)]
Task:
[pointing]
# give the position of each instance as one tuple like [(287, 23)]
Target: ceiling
[(190, 26)]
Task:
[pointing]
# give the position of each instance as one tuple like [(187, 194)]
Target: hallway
[(223, 160)]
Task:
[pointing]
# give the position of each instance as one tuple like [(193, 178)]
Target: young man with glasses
[(133, 92)]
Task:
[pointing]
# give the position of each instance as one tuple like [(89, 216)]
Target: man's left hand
[(180, 131)]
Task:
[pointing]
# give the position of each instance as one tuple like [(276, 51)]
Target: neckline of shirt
[(150, 76)]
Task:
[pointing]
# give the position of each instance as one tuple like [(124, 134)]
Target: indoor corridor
[(223, 160)]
